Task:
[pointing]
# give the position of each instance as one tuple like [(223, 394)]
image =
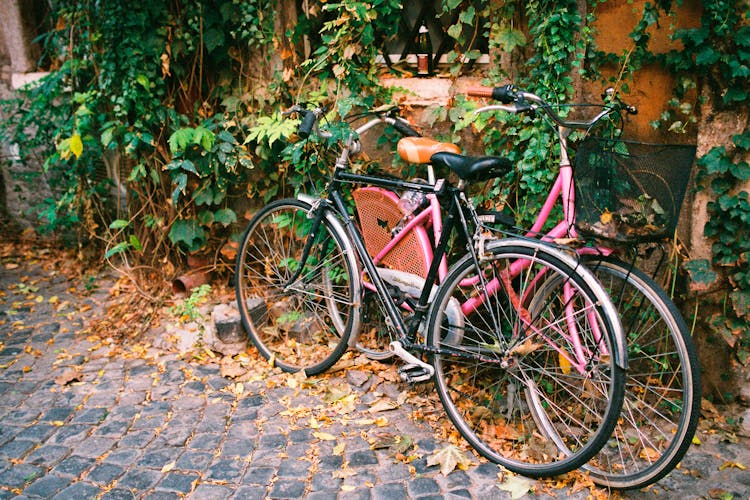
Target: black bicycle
[(523, 343)]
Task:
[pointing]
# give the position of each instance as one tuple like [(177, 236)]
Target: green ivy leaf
[(180, 182), (180, 139), (120, 247), (185, 165), (204, 137), (188, 233), (740, 170), (509, 39), (467, 16), (135, 242), (206, 217), (204, 196), (742, 141), (142, 80), (225, 216), (455, 31), (118, 224), (213, 38), (701, 274)]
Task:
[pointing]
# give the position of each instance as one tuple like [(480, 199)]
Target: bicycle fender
[(571, 259), (338, 226)]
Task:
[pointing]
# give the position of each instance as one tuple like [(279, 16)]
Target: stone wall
[(21, 186)]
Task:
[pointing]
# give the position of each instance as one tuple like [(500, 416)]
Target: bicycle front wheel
[(662, 389), (299, 314), (496, 362)]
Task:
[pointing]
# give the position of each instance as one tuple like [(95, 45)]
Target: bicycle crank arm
[(415, 370)]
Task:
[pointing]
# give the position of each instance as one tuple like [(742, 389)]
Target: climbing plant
[(160, 120), (717, 53)]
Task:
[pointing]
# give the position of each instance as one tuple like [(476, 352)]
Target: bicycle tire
[(657, 423), (305, 326), (493, 362)]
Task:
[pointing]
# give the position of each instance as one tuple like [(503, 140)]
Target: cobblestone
[(159, 426)]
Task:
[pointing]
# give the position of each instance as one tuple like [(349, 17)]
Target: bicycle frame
[(407, 334)]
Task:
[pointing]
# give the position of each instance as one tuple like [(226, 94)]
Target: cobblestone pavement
[(81, 417)]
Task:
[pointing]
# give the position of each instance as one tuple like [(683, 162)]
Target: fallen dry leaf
[(736, 465), (68, 377), (517, 486), (324, 436), (449, 458), (383, 405)]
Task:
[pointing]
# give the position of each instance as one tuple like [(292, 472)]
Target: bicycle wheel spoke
[(304, 323), (507, 383), (662, 397)]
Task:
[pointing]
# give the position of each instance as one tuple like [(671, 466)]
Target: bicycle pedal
[(413, 373)]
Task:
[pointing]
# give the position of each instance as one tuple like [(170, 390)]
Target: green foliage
[(557, 37), (153, 90), (344, 61), (718, 54), (182, 99), (187, 310)]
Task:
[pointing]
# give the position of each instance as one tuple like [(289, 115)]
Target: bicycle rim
[(662, 389), (508, 385), (304, 324)]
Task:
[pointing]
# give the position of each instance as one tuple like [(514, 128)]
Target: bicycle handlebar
[(388, 115), (526, 101)]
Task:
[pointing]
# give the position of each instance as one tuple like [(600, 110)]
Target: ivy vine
[(718, 54), (192, 127)]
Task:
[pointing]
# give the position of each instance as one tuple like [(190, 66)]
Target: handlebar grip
[(480, 92), (305, 128), (405, 130), (505, 94)]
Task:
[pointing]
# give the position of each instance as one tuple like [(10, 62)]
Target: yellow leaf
[(324, 436), (564, 363), (58, 423), (338, 450), (649, 454), (76, 145), (347, 487), (696, 441), (727, 465), (168, 467), (606, 217), (381, 421)]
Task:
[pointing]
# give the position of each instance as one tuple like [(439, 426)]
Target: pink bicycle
[(626, 193)]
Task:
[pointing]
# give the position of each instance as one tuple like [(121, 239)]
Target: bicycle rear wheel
[(499, 363), (304, 324), (662, 388)]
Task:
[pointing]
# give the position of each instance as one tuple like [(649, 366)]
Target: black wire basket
[(630, 191)]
